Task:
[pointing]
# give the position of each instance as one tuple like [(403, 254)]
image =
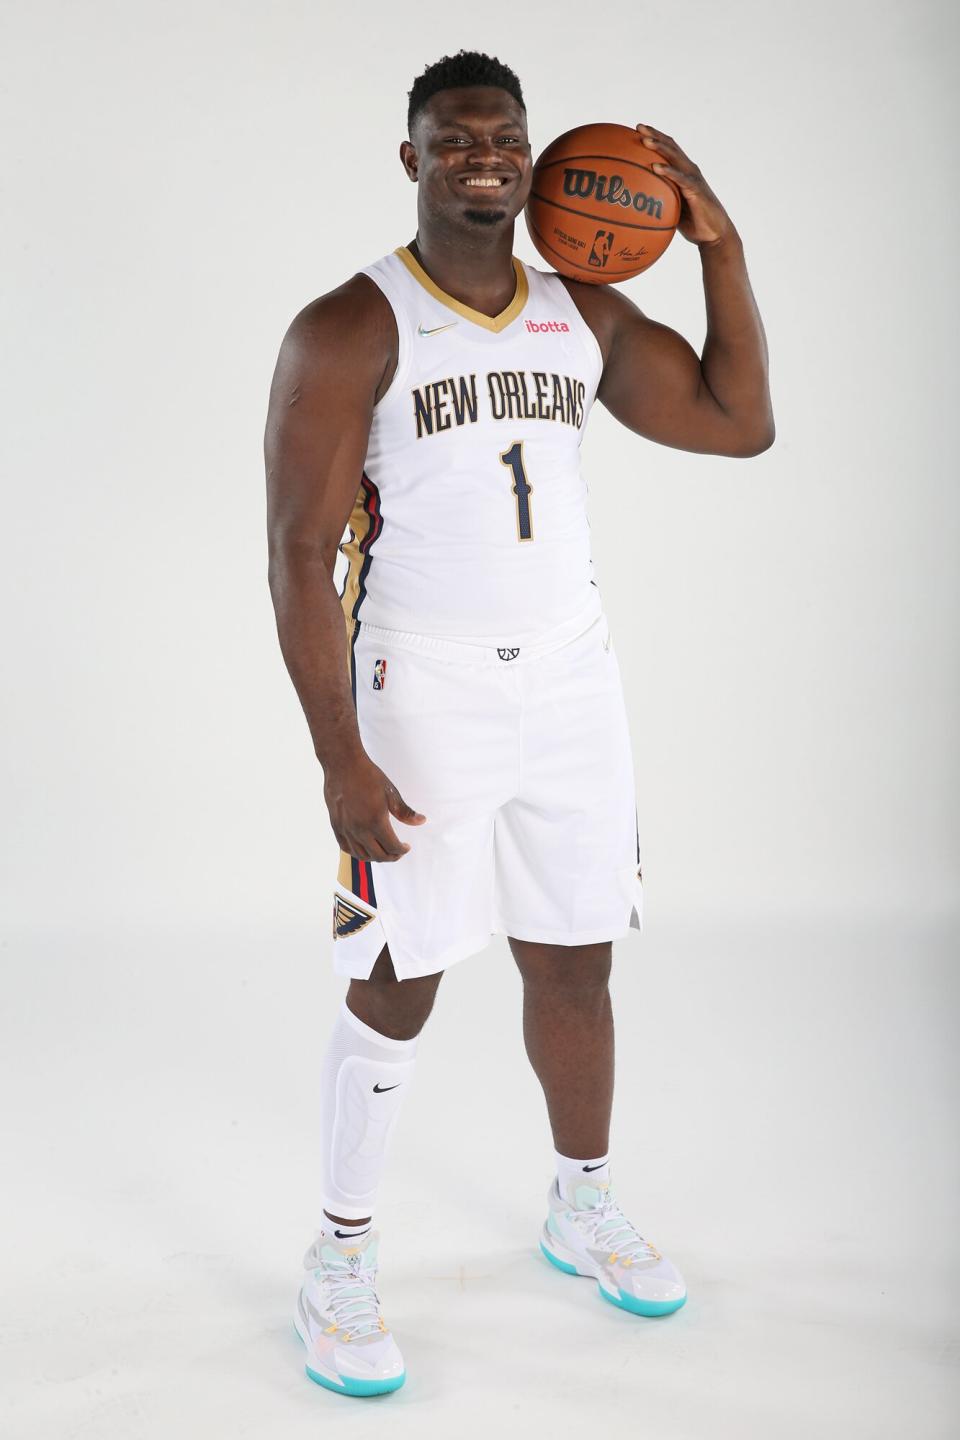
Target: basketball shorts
[(521, 761)]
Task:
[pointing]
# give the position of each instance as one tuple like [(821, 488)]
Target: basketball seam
[(617, 159)]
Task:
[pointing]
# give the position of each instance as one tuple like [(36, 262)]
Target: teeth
[(492, 180)]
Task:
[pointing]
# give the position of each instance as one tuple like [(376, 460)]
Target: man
[(425, 422)]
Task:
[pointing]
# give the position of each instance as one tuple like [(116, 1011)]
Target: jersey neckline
[(477, 317)]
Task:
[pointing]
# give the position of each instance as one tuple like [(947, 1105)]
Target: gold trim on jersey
[(489, 322), (360, 523)]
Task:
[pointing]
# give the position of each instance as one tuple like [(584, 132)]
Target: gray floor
[(782, 1130)]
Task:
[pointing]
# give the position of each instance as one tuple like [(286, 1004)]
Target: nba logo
[(379, 674), (602, 242)]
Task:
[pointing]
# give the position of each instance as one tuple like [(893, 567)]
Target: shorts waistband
[(483, 652)]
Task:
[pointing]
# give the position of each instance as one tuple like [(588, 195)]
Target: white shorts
[(522, 764)]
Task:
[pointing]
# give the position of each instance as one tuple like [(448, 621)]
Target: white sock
[(584, 1172), (346, 1231), (364, 1077)]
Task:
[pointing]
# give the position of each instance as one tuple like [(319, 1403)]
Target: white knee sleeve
[(363, 1082)]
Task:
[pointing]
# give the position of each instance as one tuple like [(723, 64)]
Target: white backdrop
[(182, 179)]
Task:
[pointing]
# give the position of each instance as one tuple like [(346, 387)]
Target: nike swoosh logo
[(382, 1089), (351, 1234), (594, 1167), (436, 329)]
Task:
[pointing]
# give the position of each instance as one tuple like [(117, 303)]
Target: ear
[(408, 159)]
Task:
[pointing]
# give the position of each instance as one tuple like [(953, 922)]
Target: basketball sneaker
[(586, 1233), (349, 1348)]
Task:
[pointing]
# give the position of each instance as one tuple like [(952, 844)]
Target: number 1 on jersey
[(521, 487)]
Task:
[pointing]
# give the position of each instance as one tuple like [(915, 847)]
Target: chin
[(485, 216)]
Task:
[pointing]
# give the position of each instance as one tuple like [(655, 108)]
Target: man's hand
[(361, 799), (703, 220)]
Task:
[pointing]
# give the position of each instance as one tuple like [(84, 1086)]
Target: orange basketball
[(596, 211)]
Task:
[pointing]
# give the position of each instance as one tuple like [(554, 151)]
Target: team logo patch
[(508, 653), (348, 919), (379, 674)]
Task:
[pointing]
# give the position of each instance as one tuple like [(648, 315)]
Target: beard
[(486, 216)]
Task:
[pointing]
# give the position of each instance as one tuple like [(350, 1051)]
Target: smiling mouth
[(492, 183)]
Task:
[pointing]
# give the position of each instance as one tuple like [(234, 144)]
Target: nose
[(483, 152)]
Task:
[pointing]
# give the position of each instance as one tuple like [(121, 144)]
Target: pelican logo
[(600, 250), (581, 184), (508, 653), (348, 918)]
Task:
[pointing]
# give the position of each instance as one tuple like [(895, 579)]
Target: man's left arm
[(653, 381)]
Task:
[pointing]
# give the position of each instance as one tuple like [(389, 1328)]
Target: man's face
[(474, 133)]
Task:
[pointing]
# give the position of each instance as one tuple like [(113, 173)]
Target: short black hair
[(467, 67)]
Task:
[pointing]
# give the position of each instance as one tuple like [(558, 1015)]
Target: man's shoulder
[(605, 308), (354, 315), (599, 309), (594, 301), (358, 300)]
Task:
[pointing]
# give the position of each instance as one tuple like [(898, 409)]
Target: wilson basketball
[(597, 212)]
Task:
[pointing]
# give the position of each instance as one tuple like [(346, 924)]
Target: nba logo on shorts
[(379, 674)]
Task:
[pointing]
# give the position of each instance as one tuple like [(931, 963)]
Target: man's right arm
[(336, 358)]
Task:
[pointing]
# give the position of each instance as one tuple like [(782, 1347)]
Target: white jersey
[(471, 516)]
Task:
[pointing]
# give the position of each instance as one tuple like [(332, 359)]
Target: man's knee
[(392, 1007), (560, 968)]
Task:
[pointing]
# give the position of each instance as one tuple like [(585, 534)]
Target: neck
[(481, 276)]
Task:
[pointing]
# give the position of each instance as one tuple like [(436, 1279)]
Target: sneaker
[(586, 1233), (349, 1348)]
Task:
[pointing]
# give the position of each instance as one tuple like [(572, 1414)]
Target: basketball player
[(423, 434)]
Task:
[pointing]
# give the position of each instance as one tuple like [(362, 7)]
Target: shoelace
[(607, 1225), (354, 1302)]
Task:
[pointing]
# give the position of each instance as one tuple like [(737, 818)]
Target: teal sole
[(641, 1307), (349, 1386), (560, 1264), (623, 1302)]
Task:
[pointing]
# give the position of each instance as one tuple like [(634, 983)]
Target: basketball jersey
[(471, 519)]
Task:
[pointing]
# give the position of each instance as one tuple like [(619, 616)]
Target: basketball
[(597, 212)]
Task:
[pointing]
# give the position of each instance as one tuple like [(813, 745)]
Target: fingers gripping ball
[(597, 211)]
